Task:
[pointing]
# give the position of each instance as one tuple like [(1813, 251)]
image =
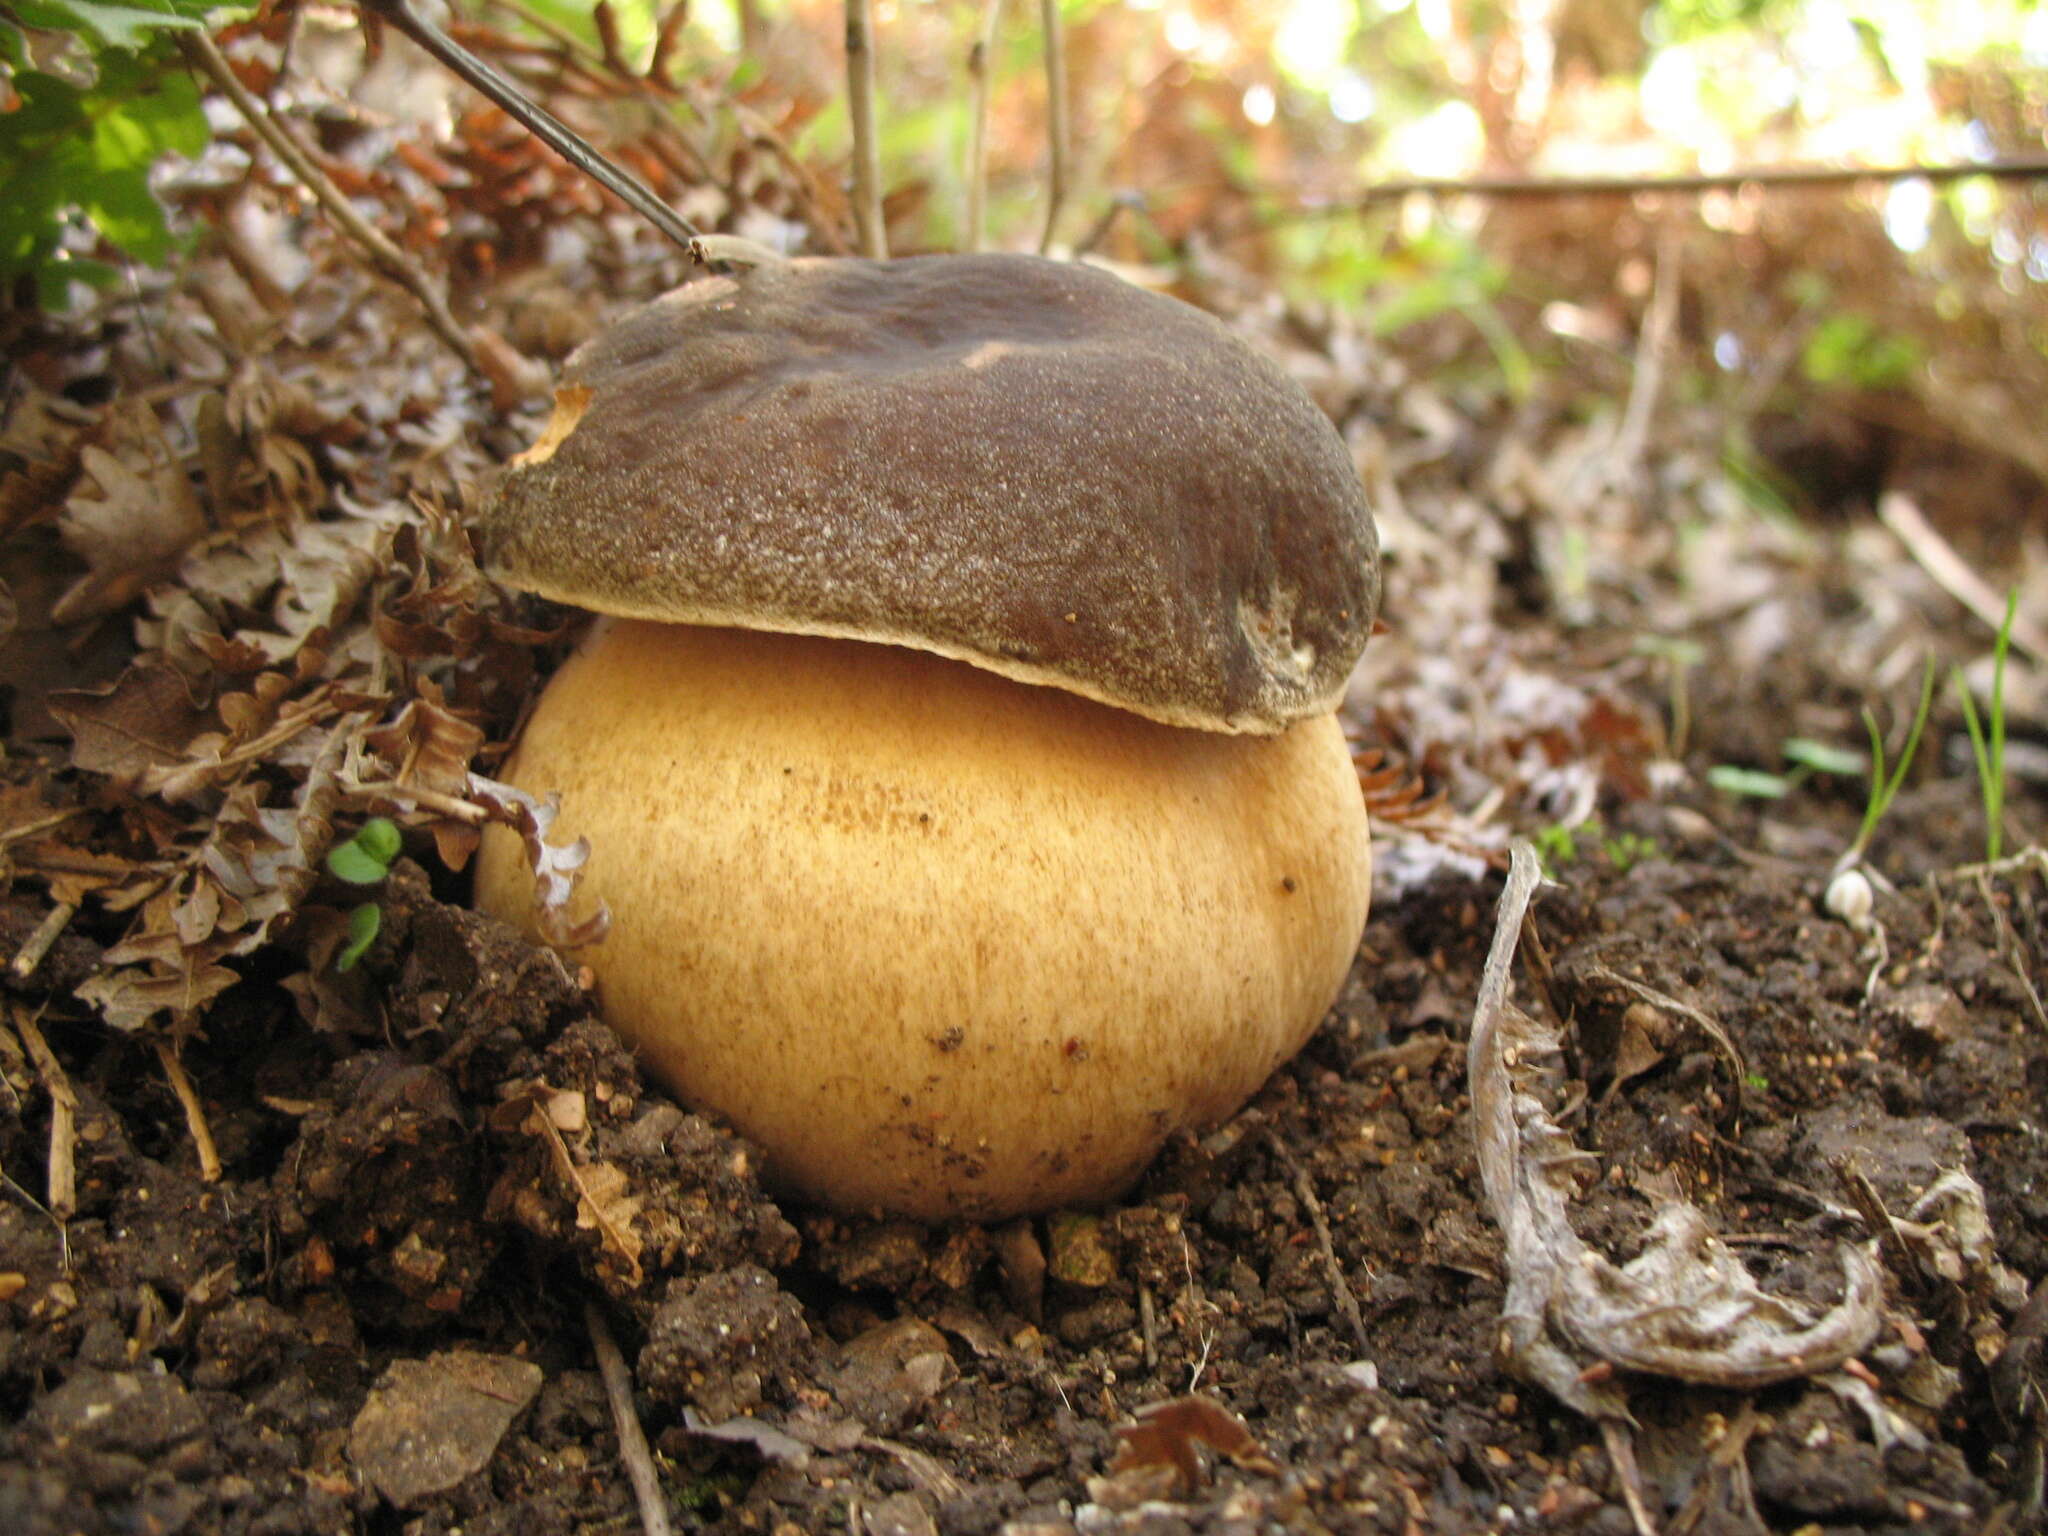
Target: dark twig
[(1340, 1288), (543, 124), (1055, 117), (618, 1388), (860, 105)]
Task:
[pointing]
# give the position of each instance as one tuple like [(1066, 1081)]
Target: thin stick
[(2021, 168), (540, 122), (1340, 1288), (1900, 513), (618, 1387), (195, 1112), (977, 125), (61, 1190), (38, 944), (201, 54), (1055, 116), (860, 104)]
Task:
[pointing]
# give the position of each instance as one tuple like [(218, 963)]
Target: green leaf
[(366, 858), (364, 924), (1823, 758), (381, 840), (116, 26), (1752, 783)]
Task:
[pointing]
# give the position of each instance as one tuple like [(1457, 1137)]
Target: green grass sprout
[(1884, 787), (1987, 735)]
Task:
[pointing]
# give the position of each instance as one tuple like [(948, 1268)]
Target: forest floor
[(288, 1249)]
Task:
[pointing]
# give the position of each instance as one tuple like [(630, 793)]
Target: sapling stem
[(1987, 736), (860, 106)]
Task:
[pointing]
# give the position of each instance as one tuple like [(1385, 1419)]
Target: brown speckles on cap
[(1025, 464)]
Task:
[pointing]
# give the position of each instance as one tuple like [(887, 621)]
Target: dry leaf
[(139, 726), (1166, 1435), (133, 531), (555, 869)]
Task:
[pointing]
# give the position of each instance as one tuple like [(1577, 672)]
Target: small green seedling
[(1559, 845), (1749, 783), (1823, 757), (1884, 787), (364, 859), (1987, 736)]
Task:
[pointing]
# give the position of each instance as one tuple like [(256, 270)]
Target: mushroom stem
[(940, 943)]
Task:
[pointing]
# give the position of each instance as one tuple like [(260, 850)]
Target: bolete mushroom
[(959, 756)]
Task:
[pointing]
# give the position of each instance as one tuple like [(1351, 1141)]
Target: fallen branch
[(2024, 168)]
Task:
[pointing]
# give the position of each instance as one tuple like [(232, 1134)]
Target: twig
[(977, 124), (61, 1188), (195, 1112), (384, 256), (1877, 1221), (1900, 513), (2022, 168), (540, 122), (860, 105), (39, 824), (1055, 116), (1621, 1455), (38, 943), (1647, 379), (618, 1387), (1340, 1288)]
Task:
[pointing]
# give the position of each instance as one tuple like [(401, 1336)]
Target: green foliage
[(1559, 845), (1884, 787), (1749, 783), (364, 859), (1822, 757), (1848, 348), (92, 119), (1987, 737), (364, 924)]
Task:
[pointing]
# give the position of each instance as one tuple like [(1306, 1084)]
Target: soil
[(379, 1318)]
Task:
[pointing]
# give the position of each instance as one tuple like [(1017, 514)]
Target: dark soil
[(378, 1319)]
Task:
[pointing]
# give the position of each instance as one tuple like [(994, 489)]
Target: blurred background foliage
[(1855, 337)]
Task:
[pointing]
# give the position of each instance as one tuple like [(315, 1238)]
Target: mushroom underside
[(942, 944)]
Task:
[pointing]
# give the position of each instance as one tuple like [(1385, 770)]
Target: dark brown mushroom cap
[(1024, 464)]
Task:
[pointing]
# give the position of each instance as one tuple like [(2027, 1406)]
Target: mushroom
[(958, 752)]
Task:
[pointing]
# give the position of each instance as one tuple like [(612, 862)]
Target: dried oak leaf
[(140, 726), (256, 866), (134, 531), (429, 746), (555, 868), (40, 440), (1166, 1434)]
